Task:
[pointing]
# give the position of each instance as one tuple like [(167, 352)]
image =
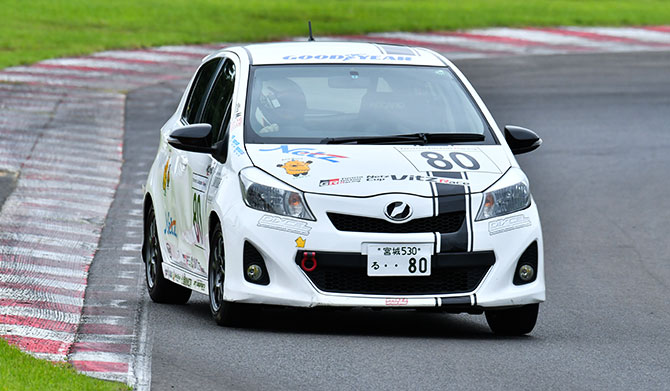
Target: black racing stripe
[(433, 191), (452, 198), (444, 189), (456, 241), (451, 204), (471, 237)]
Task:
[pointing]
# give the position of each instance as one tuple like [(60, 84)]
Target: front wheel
[(513, 321), (225, 313), (160, 289)]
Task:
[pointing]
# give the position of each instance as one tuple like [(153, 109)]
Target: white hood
[(367, 170)]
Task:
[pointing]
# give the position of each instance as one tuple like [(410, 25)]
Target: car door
[(180, 172), (199, 167)]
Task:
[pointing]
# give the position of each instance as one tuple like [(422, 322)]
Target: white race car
[(343, 175)]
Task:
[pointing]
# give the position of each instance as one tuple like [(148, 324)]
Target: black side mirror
[(521, 140), (193, 138)]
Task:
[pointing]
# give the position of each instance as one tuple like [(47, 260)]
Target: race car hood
[(367, 170)]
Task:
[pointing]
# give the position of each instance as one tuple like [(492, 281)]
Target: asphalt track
[(601, 182)]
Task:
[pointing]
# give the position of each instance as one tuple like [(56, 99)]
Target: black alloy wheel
[(160, 289), (225, 313)]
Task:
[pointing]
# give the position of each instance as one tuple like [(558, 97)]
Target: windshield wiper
[(412, 138)]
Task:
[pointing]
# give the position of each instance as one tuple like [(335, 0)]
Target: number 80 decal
[(449, 160), (461, 159)]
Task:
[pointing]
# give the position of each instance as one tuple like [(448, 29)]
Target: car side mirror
[(193, 138), (521, 140)]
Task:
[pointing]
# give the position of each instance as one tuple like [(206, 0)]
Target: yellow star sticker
[(300, 242)]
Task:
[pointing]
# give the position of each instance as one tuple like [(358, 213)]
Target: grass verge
[(38, 29), (19, 371)]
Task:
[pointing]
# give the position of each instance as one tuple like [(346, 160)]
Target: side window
[(198, 90), (218, 107)]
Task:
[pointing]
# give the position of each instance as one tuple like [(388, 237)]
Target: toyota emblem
[(398, 211)]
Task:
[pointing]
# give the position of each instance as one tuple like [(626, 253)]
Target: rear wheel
[(225, 313), (160, 289), (513, 321)]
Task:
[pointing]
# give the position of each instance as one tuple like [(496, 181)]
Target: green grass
[(38, 29), (19, 371)]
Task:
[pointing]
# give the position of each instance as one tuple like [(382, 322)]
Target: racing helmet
[(282, 102)]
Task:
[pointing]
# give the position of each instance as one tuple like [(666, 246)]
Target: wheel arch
[(213, 221)]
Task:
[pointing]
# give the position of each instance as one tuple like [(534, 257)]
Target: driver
[(282, 106)]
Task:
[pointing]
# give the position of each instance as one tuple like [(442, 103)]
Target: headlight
[(272, 195), (504, 201)]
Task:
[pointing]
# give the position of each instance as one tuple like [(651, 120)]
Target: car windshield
[(326, 103)]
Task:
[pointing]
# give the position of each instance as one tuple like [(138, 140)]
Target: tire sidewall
[(219, 314)]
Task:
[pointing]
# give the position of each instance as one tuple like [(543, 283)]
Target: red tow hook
[(308, 256)]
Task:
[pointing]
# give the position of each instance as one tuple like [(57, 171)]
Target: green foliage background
[(38, 29)]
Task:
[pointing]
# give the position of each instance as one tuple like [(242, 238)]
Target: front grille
[(451, 273), (444, 223), (456, 280)]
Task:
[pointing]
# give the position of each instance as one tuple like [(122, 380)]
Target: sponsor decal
[(237, 146), (199, 182), (237, 122), (397, 302), (179, 277), (192, 263), (166, 176), (382, 178), (307, 152), (199, 185), (284, 224), (349, 57), (186, 260), (216, 182), (296, 167), (508, 224), (340, 181), (170, 226), (300, 242)]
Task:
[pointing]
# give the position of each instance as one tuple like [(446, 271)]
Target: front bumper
[(481, 278)]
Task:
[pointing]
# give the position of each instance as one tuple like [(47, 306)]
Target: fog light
[(254, 272), (526, 272)]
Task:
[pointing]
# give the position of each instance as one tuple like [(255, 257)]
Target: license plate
[(385, 260)]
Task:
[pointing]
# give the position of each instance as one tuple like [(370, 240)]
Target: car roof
[(339, 52)]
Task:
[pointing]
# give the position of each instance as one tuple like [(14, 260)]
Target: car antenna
[(311, 37)]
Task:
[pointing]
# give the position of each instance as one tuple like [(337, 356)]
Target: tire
[(225, 313), (160, 289), (513, 321)]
